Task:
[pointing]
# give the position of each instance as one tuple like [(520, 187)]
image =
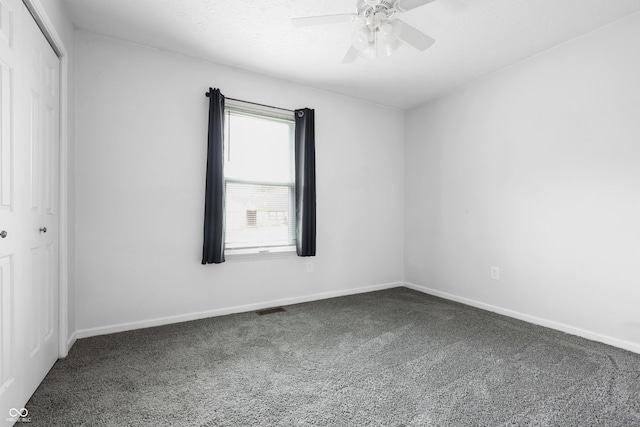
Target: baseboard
[(103, 330), (594, 336)]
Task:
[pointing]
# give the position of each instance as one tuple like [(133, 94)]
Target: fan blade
[(414, 37), (404, 5), (322, 20), (351, 56)]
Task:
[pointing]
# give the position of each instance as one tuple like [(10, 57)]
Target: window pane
[(258, 149), (259, 215)]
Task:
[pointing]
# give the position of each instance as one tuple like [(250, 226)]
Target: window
[(259, 180)]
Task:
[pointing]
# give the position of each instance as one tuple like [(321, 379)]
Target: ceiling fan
[(381, 34)]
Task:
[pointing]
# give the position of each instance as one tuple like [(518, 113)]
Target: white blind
[(259, 183)]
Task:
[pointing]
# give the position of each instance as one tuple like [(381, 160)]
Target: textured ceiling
[(474, 38)]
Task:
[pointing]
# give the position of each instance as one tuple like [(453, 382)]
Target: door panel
[(7, 323), (33, 296), (11, 264), (49, 160), (34, 152), (6, 22), (6, 140), (42, 223), (48, 321)]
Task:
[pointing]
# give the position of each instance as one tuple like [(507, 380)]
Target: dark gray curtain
[(213, 248), (305, 164)]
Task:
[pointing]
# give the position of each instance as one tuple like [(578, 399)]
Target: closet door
[(29, 193)]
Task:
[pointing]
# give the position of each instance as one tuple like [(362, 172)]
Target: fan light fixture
[(382, 34), (367, 40), (378, 39), (362, 38)]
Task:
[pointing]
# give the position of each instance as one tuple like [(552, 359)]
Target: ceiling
[(473, 38)]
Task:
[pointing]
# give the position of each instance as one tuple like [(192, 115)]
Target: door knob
[(43, 229), (3, 234)]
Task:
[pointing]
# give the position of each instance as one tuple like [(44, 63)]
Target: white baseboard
[(594, 336), (121, 327), (103, 330)]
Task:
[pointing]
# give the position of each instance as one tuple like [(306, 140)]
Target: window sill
[(258, 254)]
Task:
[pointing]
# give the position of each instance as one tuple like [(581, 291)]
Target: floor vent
[(270, 311)]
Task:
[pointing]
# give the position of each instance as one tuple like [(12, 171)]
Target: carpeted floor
[(388, 358)]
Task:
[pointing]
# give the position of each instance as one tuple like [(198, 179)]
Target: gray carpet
[(388, 358)]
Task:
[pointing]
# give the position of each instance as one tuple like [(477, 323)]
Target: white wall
[(140, 153), (59, 18), (536, 170)]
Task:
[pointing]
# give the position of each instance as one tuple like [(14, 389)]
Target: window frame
[(275, 114)]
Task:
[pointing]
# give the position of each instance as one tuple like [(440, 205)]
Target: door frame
[(51, 34)]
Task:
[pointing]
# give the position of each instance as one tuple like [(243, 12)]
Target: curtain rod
[(254, 103)]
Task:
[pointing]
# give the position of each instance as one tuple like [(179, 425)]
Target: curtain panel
[(305, 182), (213, 247)]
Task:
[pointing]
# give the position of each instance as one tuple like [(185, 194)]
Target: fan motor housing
[(366, 8)]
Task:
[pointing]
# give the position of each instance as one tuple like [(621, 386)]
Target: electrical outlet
[(309, 266), (495, 273)]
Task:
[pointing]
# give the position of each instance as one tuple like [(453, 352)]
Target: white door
[(29, 192)]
